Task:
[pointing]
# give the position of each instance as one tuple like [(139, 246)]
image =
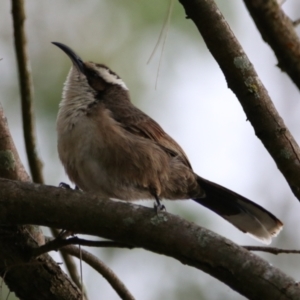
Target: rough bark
[(163, 233)]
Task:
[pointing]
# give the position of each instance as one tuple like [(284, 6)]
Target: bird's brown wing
[(138, 123)]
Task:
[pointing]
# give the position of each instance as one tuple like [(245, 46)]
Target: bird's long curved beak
[(77, 61)]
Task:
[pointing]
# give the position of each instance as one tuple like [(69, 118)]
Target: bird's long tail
[(244, 214)]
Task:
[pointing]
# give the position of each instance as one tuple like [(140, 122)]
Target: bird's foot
[(64, 234), (158, 207), (64, 186), (67, 186)]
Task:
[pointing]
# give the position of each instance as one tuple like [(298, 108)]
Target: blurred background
[(191, 102)]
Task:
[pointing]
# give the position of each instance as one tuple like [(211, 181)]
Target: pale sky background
[(191, 102)]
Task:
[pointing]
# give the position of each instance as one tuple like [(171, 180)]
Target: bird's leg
[(64, 233), (158, 207), (67, 186)]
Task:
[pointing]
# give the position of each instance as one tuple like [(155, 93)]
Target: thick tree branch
[(26, 89), (24, 203), (244, 82), (278, 31)]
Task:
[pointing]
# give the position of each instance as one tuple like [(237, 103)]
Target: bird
[(111, 148)]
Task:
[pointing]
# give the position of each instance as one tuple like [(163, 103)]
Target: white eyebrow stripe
[(111, 78)]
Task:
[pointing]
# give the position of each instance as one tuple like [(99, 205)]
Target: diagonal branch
[(69, 264), (101, 268), (244, 82), (278, 31), (14, 260), (272, 250), (55, 244), (10, 163), (27, 203)]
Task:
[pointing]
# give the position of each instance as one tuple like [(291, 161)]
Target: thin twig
[(69, 263), (164, 39), (26, 89), (271, 250), (55, 244), (100, 267), (163, 34), (163, 29), (81, 276)]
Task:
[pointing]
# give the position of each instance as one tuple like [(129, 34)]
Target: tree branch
[(278, 31), (272, 250), (10, 163), (244, 82), (16, 242), (26, 89), (31, 279), (24, 203), (55, 244), (69, 264), (102, 269)]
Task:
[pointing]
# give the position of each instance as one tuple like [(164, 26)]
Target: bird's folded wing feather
[(140, 124)]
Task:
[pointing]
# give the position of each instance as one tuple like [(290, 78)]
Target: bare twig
[(243, 80), (68, 261), (26, 89), (278, 30), (55, 244), (81, 272), (272, 250), (100, 267)]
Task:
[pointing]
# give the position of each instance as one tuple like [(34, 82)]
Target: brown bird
[(110, 147)]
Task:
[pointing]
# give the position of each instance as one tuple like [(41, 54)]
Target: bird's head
[(89, 80)]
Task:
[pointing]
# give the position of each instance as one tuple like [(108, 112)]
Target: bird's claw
[(64, 186), (158, 207)]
